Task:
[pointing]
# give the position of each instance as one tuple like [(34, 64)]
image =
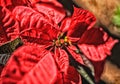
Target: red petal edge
[(21, 62)]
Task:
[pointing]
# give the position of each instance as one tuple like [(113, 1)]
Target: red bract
[(51, 39), (30, 61), (56, 13), (34, 26), (9, 27), (67, 71), (11, 3), (35, 65)]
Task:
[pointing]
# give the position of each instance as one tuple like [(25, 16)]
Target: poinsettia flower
[(62, 40), (9, 27)]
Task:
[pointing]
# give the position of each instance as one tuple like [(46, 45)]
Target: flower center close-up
[(62, 40)]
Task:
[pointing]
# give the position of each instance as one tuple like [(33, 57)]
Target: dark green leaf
[(7, 48), (10, 46)]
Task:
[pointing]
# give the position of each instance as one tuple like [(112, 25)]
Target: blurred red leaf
[(22, 61)]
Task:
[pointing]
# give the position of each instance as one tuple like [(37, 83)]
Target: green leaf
[(81, 69), (10, 46), (7, 48), (85, 60), (83, 73), (116, 17)]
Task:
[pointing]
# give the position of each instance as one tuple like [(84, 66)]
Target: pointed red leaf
[(9, 27), (72, 76), (84, 16), (35, 26), (52, 9), (97, 51), (21, 62), (76, 56), (81, 21), (62, 59), (11, 2), (99, 67), (65, 24), (44, 72), (92, 36), (96, 44), (67, 71)]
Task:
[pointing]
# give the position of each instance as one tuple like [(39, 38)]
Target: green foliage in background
[(116, 17)]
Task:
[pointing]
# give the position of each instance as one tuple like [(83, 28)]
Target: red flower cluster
[(50, 38)]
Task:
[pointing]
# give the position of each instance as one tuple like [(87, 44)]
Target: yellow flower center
[(62, 41)]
